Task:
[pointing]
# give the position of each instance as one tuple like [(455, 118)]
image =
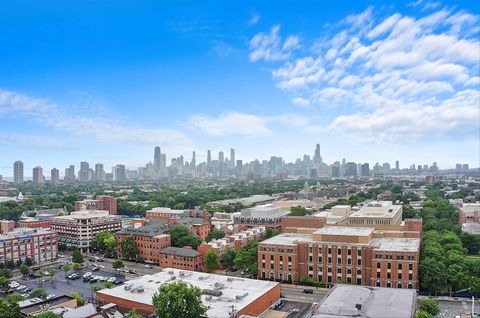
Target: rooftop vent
[(212, 292), (239, 297), (218, 285), (358, 306)]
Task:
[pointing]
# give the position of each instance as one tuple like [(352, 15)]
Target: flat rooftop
[(288, 239), (344, 230), (377, 209), (235, 291), (375, 302), (24, 232), (396, 244), (86, 214)]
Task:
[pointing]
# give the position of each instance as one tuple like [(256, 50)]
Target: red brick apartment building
[(469, 213), (181, 258), (38, 245), (102, 202), (34, 223), (150, 239)]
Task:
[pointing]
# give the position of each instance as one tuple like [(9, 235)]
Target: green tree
[(4, 281), (51, 273), (129, 248), (80, 300), (77, 257), (110, 245), (116, 264), (423, 314), (47, 314), (133, 314), (211, 261), (432, 272), (430, 306), (181, 237), (107, 284), (15, 298), (246, 259), (76, 266), (299, 211), (38, 292), (9, 310), (269, 232), (228, 259), (97, 287), (5, 272), (178, 300), (24, 270), (66, 268), (215, 234)]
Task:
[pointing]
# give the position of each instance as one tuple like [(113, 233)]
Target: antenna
[(233, 313)]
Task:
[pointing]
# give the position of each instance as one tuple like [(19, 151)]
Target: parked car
[(111, 279), (87, 274), (148, 266), (92, 259), (118, 282), (131, 271), (19, 288), (308, 291), (98, 259), (13, 284), (50, 296), (95, 269)]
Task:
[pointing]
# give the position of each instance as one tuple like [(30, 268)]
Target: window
[(359, 252), (271, 257), (329, 250), (377, 284), (399, 276), (339, 270), (378, 274), (378, 265), (399, 266), (339, 261), (410, 267), (389, 265)]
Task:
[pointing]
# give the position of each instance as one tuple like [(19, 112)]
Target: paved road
[(297, 294), (452, 308)]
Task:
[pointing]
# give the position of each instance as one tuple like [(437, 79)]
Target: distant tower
[(209, 158), (156, 159), (38, 175), (18, 172), (232, 158), (99, 172), (194, 160), (54, 176), (397, 165)]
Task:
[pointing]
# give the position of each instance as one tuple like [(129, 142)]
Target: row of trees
[(445, 265)]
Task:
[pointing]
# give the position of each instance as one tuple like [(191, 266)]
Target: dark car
[(131, 271), (91, 259), (118, 282), (282, 295), (308, 291)]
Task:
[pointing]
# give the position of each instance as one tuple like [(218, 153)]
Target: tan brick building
[(102, 202), (358, 255), (181, 258)]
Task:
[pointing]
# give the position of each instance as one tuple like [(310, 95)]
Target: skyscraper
[(317, 159), (70, 174), (38, 175), (83, 173), (54, 176), (194, 161), (365, 170), (119, 173), (351, 169), (156, 159), (99, 172), (18, 172), (209, 158), (232, 158), (397, 165)]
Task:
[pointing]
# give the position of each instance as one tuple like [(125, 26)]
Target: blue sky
[(370, 81)]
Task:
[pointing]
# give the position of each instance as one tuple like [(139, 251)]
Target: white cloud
[(271, 46), (104, 129), (254, 19), (378, 68), (230, 123)]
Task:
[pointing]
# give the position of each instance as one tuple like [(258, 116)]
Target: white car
[(112, 279), (13, 284), (50, 296), (88, 274), (147, 266)]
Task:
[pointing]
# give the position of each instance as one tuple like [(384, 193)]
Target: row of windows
[(400, 266)]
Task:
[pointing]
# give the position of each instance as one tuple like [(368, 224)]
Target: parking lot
[(60, 285), (455, 308)]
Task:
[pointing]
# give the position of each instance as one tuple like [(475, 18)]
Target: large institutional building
[(36, 244), (79, 228), (102, 202), (371, 246)]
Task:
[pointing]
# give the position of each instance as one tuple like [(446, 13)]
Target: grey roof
[(185, 252), (151, 229), (189, 221), (83, 311), (375, 302)]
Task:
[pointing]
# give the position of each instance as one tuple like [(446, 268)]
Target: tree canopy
[(178, 300)]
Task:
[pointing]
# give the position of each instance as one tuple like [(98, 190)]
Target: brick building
[(36, 244), (101, 202), (34, 223), (235, 241), (359, 255), (6, 226), (181, 258), (219, 293), (150, 239), (163, 214), (79, 228), (469, 213)]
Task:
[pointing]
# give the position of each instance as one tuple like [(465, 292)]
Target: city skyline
[(369, 82), (219, 164)]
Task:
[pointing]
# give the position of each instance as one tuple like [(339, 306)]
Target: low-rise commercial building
[(221, 294), (79, 228), (333, 254), (367, 302), (36, 244), (150, 239)]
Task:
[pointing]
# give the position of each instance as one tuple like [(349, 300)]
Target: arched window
[(399, 285), (378, 284), (389, 284), (410, 286)]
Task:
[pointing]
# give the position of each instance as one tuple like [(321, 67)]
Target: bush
[(430, 306)]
